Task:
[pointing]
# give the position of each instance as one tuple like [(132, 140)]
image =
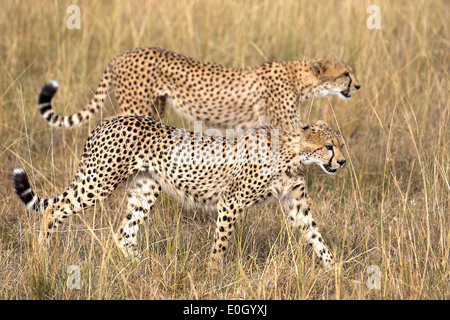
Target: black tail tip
[(48, 91), (24, 191), (21, 183)]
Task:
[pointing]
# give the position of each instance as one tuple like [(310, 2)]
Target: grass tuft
[(389, 208)]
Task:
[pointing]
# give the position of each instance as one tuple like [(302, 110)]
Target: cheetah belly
[(208, 201)]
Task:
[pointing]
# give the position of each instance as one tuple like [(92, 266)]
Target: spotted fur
[(224, 175), (146, 80)]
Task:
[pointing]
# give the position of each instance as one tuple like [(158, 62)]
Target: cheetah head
[(322, 146), (335, 78)]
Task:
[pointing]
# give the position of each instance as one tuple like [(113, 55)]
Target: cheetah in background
[(221, 97), (224, 175)]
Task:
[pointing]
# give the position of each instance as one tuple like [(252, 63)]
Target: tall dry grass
[(389, 208)]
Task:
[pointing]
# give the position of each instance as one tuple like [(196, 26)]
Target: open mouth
[(329, 169), (325, 167), (346, 94)]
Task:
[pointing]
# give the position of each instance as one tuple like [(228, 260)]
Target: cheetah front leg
[(301, 217), (141, 199), (228, 213)]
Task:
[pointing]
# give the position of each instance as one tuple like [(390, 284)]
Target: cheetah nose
[(341, 162), (357, 86)]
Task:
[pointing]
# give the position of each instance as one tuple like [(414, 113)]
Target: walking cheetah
[(220, 97), (224, 175)]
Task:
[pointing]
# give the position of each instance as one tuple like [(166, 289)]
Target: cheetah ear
[(322, 123), (319, 66), (304, 126)]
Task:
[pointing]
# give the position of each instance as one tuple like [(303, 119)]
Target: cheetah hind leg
[(47, 224), (141, 199)]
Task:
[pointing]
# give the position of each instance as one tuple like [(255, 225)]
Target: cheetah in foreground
[(221, 97), (216, 173)]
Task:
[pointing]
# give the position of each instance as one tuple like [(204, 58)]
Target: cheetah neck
[(291, 145), (303, 81)]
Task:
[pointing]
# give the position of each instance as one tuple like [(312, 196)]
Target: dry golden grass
[(388, 208)]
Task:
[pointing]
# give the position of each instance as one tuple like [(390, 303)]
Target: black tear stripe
[(332, 156)]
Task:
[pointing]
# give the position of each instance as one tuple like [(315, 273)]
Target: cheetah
[(147, 80), (224, 175)]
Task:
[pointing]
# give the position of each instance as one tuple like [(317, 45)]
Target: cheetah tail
[(74, 120), (25, 192)]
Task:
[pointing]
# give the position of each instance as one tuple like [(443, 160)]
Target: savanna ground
[(389, 208)]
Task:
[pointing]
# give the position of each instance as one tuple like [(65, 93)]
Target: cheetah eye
[(342, 147), (347, 75), (329, 147)]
